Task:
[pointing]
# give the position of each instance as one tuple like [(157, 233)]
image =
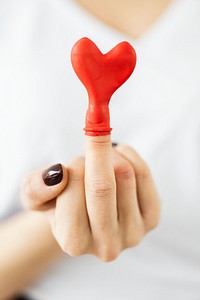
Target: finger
[(36, 194), (100, 187), (126, 188), (148, 198), (71, 226), (128, 209)]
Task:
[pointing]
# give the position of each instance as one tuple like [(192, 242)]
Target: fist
[(105, 202)]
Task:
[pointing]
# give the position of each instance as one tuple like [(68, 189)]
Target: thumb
[(41, 186)]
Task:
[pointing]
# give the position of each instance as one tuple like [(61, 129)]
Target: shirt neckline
[(159, 27)]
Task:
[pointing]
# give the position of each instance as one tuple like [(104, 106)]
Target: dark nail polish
[(114, 144), (53, 175)]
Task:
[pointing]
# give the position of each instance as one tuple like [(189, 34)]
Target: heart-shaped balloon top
[(102, 75)]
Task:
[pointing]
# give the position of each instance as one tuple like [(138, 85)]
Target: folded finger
[(129, 216), (71, 225), (148, 198)]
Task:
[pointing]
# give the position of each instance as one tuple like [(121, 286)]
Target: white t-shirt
[(42, 111)]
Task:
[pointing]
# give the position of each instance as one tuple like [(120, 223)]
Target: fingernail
[(114, 144), (53, 175)]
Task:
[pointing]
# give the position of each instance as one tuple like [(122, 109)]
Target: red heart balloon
[(102, 75)]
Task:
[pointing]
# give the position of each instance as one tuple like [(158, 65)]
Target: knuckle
[(133, 235), (133, 240), (108, 252), (124, 148), (144, 172), (74, 246), (74, 242), (151, 222), (124, 171), (75, 250), (101, 189)]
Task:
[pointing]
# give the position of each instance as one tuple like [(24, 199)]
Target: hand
[(109, 203)]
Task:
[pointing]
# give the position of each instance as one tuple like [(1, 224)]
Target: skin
[(132, 17), (125, 215), (23, 257), (109, 204)]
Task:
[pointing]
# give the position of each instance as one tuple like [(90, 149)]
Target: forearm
[(27, 248)]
